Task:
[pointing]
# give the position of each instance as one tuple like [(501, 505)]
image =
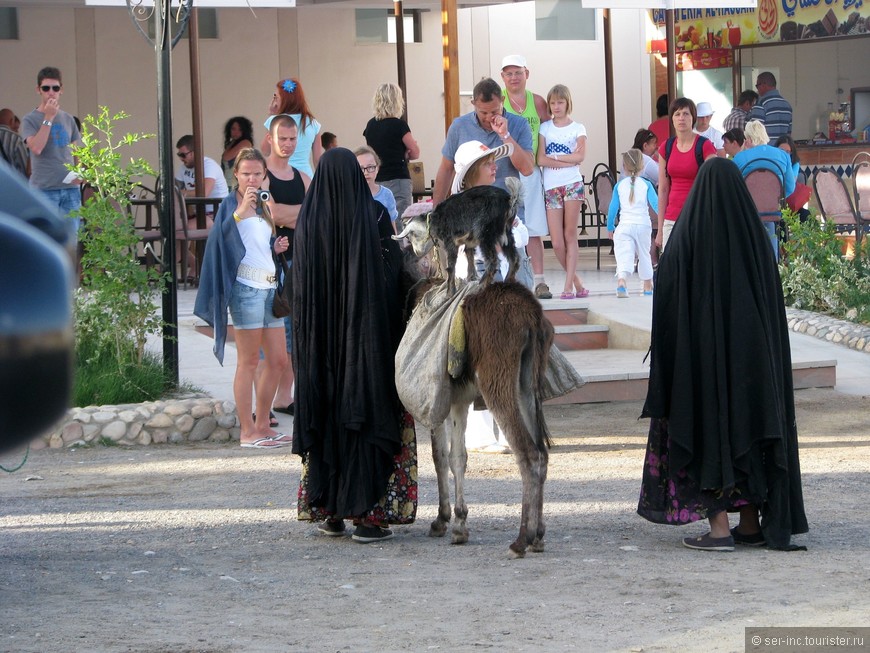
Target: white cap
[(468, 153), (704, 109), (513, 60)]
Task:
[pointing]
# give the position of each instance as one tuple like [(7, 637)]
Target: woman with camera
[(239, 274)]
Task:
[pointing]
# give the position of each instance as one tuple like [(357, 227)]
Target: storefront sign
[(772, 21)]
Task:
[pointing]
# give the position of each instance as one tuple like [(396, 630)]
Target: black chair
[(601, 187)]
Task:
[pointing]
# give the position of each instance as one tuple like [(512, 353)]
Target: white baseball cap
[(472, 151), (513, 60), (705, 109)]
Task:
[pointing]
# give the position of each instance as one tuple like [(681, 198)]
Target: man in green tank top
[(533, 108)]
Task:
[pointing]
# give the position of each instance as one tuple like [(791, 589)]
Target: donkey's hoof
[(537, 546), (459, 537), (516, 551), (437, 528)]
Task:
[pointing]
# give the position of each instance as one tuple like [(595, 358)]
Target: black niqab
[(346, 418), (720, 359)]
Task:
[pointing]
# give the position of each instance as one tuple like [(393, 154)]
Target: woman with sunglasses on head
[(289, 98), (648, 143), (239, 273)]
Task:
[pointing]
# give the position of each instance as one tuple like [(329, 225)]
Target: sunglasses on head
[(46, 88)]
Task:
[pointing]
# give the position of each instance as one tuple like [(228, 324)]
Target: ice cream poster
[(770, 21)]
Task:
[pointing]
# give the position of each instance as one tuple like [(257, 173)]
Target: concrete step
[(622, 375), (573, 337), (565, 311)]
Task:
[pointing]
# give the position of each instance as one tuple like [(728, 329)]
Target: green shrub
[(115, 306), (817, 277)]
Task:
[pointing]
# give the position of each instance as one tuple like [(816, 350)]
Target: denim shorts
[(251, 308), (555, 198)]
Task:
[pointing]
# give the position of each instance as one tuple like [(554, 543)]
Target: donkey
[(508, 341), (480, 216)]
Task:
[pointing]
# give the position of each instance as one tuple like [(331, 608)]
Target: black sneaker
[(707, 542), (754, 539), (366, 534), (331, 527)]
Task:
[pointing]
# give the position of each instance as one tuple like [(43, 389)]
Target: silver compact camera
[(264, 195)]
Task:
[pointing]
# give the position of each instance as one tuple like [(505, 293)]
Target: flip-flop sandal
[(273, 421), (263, 443), (286, 438), (580, 294)]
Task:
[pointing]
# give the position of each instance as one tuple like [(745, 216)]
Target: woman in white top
[(239, 272), (561, 150)]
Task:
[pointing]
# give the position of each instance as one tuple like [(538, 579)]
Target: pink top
[(682, 169)]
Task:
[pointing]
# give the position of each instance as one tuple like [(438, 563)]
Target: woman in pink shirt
[(677, 172)]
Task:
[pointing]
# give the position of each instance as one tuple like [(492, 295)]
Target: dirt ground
[(196, 549)]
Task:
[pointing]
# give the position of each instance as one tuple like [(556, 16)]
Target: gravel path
[(195, 548)]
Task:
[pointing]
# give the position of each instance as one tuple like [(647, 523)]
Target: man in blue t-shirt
[(492, 126), (772, 109)]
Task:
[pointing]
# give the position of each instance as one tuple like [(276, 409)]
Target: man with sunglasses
[(48, 132), (214, 184)]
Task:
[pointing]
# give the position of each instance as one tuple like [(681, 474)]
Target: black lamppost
[(163, 14)]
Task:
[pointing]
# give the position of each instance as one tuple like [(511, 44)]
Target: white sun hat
[(705, 109), (468, 153)]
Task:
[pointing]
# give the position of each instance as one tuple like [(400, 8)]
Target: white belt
[(255, 274)]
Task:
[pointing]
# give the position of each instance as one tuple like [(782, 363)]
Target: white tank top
[(255, 233)]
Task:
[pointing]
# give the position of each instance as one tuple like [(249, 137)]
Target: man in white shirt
[(703, 127), (214, 183)]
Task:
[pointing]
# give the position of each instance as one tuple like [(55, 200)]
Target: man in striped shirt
[(772, 109)]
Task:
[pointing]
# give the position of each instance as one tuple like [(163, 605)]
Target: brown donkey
[(508, 342)]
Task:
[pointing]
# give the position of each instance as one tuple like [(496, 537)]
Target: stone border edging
[(841, 332), (188, 419)]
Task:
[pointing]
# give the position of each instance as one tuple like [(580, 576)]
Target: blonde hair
[(755, 131), (388, 102), (561, 92), (253, 154), (474, 169), (632, 161), (365, 149)]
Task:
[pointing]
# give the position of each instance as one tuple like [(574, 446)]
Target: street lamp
[(163, 14)]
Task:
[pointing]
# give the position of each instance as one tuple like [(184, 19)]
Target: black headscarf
[(720, 359), (346, 419)]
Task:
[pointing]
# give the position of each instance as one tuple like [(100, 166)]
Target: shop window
[(379, 26), (563, 20), (206, 22), (8, 24)]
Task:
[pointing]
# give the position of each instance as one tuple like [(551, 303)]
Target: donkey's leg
[(452, 254), (458, 462), (440, 457), (490, 257), (537, 528)]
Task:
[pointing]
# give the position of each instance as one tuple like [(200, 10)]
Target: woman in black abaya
[(357, 443), (723, 434)]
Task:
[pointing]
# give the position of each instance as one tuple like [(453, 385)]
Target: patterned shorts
[(555, 198)]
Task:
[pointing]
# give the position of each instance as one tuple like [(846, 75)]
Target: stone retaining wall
[(849, 334), (187, 419)]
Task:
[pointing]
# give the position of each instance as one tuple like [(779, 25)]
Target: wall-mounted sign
[(772, 21)]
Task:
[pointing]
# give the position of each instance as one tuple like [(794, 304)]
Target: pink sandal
[(566, 295), (583, 292)]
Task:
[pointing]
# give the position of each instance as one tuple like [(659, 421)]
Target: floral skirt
[(399, 503), (670, 496)]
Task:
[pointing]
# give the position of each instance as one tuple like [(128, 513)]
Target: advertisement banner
[(772, 21)]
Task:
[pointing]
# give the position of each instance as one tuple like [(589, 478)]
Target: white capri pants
[(630, 240)]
